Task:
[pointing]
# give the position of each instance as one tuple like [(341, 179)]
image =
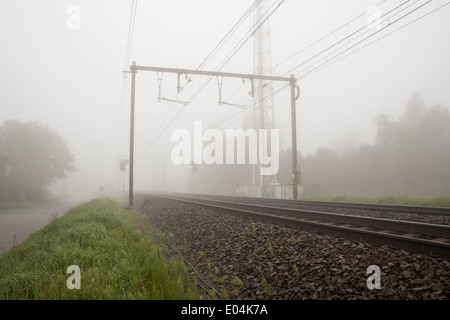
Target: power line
[(239, 46), (209, 57), (258, 24), (324, 37), (225, 38), (388, 19), (373, 34), (244, 17), (296, 53), (340, 41), (384, 36), (229, 34), (283, 87), (328, 60), (249, 107), (228, 116), (315, 42), (127, 59), (130, 33)]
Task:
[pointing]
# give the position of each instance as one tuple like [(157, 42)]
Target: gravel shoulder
[(248, 259)]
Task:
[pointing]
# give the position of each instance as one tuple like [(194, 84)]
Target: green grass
[(117, 259), (443, 201)]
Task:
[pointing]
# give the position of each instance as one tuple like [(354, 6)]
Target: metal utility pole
[(133, 94), (123, 182), (252, 77), (295, 171)]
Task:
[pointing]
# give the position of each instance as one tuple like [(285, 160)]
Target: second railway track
[(416, 237)]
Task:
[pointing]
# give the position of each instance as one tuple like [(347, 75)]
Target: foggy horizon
[(68, 74)]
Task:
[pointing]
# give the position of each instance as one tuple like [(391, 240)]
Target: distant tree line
[(32, 157), (410, 157)]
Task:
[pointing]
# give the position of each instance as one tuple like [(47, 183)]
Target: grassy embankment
[(443, 201), (116, 257)]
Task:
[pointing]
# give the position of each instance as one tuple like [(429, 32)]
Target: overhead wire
[(338, 42), (303, 49), (227, 117), (258, 24), (301, 76), (126, 62), (323, 37), (247, 36), (249, 107), (225, 61), (161, 132), (398, 29), (241, 42), (127, 59), (205, 62), (130, 33), (330, 59), (222, 42), (366, 30), (229, 34)]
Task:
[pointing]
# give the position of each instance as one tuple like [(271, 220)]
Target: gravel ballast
[(248, 259)]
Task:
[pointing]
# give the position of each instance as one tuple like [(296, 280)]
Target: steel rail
[(349, 205), (400, 234), (429, 229)]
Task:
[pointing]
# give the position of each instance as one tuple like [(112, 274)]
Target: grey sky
[(72, 79)]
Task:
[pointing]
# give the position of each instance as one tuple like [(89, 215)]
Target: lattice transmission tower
[(263, 114)]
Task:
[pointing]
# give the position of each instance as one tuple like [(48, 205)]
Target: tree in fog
[(32, 157), (416, 148), (410, 157)]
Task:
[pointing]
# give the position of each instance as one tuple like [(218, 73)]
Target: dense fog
[(372, 115)]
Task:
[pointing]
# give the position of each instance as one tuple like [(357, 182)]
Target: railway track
[(420, 210), (427, 238)]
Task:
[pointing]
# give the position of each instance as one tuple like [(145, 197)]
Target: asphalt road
[(22, 222)]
